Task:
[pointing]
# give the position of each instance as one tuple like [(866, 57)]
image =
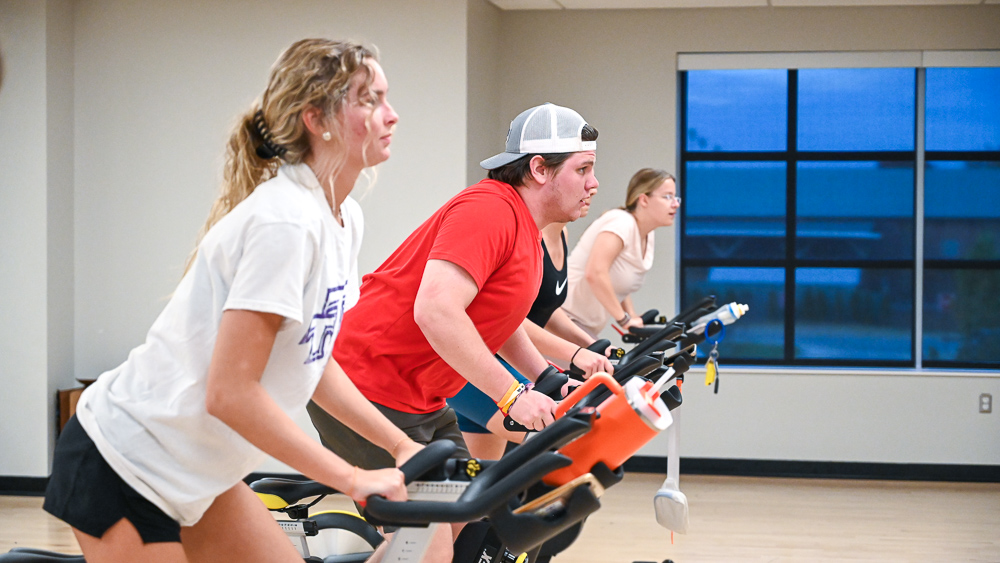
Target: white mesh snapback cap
[(544, 129)]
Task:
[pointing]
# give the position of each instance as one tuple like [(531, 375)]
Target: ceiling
[(638, 4)]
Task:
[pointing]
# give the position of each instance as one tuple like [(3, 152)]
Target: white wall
[(618, 68), (155, 87), (486, 125), (36, 246), (23, 349), (158, 87)]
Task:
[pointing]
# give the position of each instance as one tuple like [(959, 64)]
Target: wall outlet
[(985, 403)]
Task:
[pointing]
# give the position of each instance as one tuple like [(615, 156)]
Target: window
[(961, 301), (802, 197)]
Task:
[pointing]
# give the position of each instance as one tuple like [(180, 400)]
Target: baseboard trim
[(821, 469), (22, 486), (35, 486)]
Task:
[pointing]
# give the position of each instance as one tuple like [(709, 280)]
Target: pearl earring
[(326, 135)]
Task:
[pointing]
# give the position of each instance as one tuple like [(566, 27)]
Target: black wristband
[(573, 357)]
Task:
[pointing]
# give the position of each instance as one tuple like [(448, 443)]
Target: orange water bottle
[(628, 420)]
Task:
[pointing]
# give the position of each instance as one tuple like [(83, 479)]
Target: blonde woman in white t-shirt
[(151, 467), (610, 261)]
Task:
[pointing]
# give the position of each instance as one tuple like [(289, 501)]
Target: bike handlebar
[(432, 456), (494, 486)]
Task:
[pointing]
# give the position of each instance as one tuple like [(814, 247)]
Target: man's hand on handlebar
[(592, 362), (534, 410), (405, 450), (383, 482)]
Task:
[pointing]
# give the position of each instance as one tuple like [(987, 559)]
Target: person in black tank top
[(478, 417), (552, 292)]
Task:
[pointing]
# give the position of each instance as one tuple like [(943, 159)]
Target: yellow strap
[(509, 401), (510, 391)]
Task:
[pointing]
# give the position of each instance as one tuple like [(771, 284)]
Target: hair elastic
[(268, 149)]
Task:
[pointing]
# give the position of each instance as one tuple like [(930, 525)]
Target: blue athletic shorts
[(475, 408)]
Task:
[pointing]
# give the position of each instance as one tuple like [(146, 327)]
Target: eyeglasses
[(671, 198)]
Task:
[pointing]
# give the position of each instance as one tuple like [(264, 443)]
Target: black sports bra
[(552, 292)]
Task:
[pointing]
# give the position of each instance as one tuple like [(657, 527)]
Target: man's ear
[(537, 169)]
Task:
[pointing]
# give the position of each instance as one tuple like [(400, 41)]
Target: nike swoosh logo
[(560, 288)]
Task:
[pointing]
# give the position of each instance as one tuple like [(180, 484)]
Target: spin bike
[(538, 494), (651, 359), (545, 486)]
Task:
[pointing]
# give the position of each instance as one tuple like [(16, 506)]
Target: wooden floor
[(732, 519)]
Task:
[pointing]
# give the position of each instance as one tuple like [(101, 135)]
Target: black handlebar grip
[(427, 459), (649, 317), (550, 382), (680, 365), (600, 346)]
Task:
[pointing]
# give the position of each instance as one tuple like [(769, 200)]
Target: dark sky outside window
[(737, 110), (963, 111), (856, 109), (851, 169)]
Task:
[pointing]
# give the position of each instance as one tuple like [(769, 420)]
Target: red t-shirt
[(488, 231)]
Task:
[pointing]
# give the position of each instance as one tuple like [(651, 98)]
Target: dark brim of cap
[(499, 160)]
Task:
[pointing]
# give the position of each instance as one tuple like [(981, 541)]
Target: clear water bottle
[(728, 314)]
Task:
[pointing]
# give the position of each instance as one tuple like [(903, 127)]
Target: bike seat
[(277, 493)]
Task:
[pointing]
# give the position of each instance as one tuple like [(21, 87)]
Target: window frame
[(919, 61)]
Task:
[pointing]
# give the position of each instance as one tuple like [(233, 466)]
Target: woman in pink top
[(610, 262)]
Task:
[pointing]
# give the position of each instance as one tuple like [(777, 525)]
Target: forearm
[(338, 396), (562, 326), (548, 343), (521, 353), (254, 415), (454, 337), (600, 285), (628, 307)]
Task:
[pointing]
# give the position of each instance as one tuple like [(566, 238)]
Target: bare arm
[(236, 397), (445, 291), (555, 347), (338, 396), (522, 353), (607, 247), (560, 325), (629, 308)]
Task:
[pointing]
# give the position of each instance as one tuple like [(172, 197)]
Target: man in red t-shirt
[(456, 291)]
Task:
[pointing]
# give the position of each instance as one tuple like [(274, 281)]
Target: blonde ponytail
[(311, 73)]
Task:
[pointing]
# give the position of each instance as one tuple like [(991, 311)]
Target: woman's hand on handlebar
[(592, 362), (635, 321), (387, 483), (534, 410), (570, 386)]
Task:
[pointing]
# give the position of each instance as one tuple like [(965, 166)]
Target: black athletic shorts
[(353, 448), (356, 450), (86, 493)]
